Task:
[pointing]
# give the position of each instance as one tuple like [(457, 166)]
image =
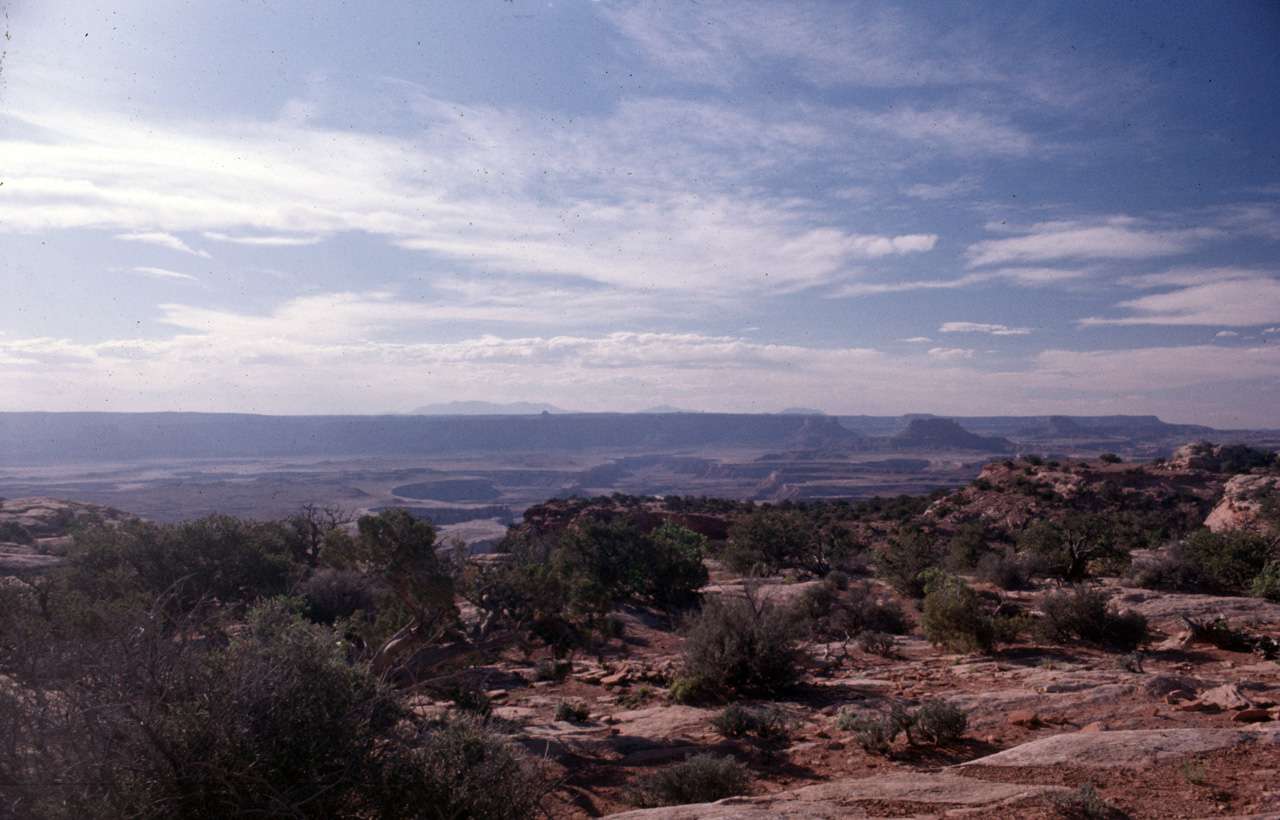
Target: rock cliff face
[(1244, 503)]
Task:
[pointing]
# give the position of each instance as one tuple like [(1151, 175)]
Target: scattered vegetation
[(1083, 615), (953, 617), (572, 711), (736, 720), (934, 723), (738, 643), (1083, 804), (702, 778)]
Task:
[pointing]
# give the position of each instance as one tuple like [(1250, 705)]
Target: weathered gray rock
[(1242, 502)]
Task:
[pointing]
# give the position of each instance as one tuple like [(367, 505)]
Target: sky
[(316, 207)]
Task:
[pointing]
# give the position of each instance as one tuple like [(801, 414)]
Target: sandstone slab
[(1130, 749), (840, 799)]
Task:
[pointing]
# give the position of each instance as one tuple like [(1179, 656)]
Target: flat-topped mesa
[(945, 434)]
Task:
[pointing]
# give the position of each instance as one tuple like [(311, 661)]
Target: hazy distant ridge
[(34, 437)]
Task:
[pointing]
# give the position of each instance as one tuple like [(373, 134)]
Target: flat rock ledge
[(833, 801), (1131, 749), (948, 794)]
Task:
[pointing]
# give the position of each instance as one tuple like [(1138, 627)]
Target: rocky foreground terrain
[(1187, 727), (1191, 734)]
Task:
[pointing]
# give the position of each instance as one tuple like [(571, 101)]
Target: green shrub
[(737, 643), (772, 539), (332, 594), (953, 617), (687, 690), (817, 601), (471, 699), (934, 722), (940, 723), (904, 561), (1228, 562), (463, 769), (862, 610), (1267, 583), (1084, 615), (737, 720), (552, 670), (572, 712), (1131, 661), (1073, 545), (877, 643), (874, 735), (702, 778), (1082, 804)]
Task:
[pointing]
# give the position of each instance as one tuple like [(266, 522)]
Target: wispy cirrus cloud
[(975, 327), (162, 273), (1233, 297), (264, 241), (566, 203), (1115, 238), (162, 239)]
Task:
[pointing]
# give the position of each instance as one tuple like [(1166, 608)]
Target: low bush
[(1227, 562), (1011, 569), (1267, 583), (954, 619), (940, 723), (738, 643), (462, 768), (1083, 804), (904, 560), (572, 712), (737, 720), (702, 778), (934, 722), (1084, 615), (877, 643), (863, 610), (552, 670)]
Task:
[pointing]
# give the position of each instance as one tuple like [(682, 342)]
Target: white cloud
[(962, 132), (921, 339), (1225, 334), (1117, 238), (238, 362), (974, 327), (265, 241), (161, 273), (604, 200), (164, 240), (1218, 296)]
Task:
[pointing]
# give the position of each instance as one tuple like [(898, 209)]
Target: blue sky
[(279, 206)]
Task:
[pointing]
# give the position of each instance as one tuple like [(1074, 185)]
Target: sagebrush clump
[(702, 778), (740, 643)]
